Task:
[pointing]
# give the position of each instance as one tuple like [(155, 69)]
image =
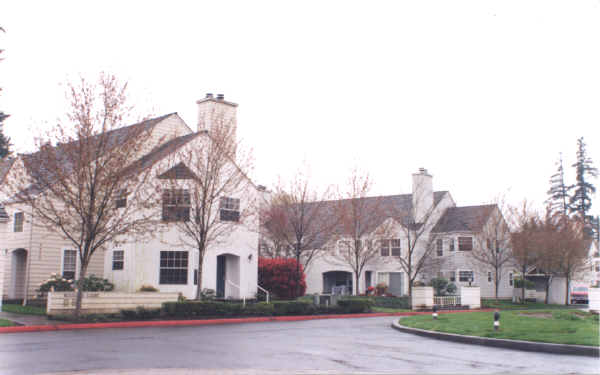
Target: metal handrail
[(264, 290), (239, 291)]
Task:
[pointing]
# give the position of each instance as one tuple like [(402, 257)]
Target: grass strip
[(561, 327), (19, 309)]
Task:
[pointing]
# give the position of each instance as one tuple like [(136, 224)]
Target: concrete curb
[(203, 322), (530, 346)]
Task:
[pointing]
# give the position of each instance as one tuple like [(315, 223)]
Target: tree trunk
[(199, 286), (548, 282), (357, 275), (567, 289), (79, 293), (298, 287)]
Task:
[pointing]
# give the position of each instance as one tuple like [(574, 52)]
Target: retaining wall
[(63, 303)]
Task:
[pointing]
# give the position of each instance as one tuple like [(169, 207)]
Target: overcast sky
[(484, 94)]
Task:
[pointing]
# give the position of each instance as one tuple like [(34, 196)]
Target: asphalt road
[(332, 346)]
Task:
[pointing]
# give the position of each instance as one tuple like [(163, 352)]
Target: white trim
[(62, 262), (458, 271)]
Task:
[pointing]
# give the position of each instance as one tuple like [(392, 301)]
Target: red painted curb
[(172, 323)]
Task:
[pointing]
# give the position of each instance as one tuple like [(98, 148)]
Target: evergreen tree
[(559, 192), (4, 141), (581, 199)]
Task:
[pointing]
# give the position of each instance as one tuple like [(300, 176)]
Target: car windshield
[(580, 289)]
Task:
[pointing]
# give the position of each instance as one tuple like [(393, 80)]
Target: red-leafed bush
[(278, 276)]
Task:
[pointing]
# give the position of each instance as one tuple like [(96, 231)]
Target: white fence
[(446, 300), (60, 303)]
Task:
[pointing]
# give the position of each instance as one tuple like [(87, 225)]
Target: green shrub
[(355, 305), (93, 283), (293, 308), (528, 284), (59, 284), (391, 302), (259, 309)]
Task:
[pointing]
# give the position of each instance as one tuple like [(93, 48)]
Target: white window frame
[(62, 263), (472, 274), (122, 260), (511, 279), (229, 205), (439, 247), (15, 222), (489, 276)]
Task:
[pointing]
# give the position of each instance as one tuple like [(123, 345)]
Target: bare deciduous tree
[(492, 249), (207, 195), (77, 176), (416, 225), (296, 222), (361, 225)]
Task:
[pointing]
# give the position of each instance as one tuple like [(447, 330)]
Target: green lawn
[(389, 309), (6, 323), (562, 327), (19, 309), (509, 305)]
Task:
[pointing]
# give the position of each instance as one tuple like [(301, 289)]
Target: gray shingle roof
[(391, 205), (464, 219)]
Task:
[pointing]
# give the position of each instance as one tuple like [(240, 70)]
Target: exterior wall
[(44, 254), (169, 128), (60, 303)]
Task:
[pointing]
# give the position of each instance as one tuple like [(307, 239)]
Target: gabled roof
[(464, 219), (5, 165), (392, 206)]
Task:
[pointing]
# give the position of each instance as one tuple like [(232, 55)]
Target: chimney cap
[(261, 188), (422, 170), (220, 96), (209, 95)]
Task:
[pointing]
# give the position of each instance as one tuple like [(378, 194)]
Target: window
[(465, 276), (18, 226), (510, 279), (489, 277), (440, 247), (176, 205), (395, 247), (465, 243), (452, 244), (385, 248), (173, 267), (229, 209), (69, 264), (196, 276), (121, 199), (597, 267), (118, 260), (452, 276), (497, 246)]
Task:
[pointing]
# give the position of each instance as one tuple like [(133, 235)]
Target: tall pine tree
[(559, 192), (581, 199)]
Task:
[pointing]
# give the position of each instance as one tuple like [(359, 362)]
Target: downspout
[(29, 254)]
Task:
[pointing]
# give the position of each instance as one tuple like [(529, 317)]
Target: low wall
[(470, 296), (422, 297), (594, 299), (63, 303)]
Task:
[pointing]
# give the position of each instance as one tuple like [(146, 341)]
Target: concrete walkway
[(28, 319)]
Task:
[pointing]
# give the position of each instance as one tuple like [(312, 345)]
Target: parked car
[(579, 294)]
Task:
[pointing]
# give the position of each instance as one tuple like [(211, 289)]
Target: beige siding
[(44, 254), (166, 130)]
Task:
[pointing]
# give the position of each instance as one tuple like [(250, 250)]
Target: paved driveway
[(338, 346)]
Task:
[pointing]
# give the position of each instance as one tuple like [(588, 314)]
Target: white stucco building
[(161, 260)]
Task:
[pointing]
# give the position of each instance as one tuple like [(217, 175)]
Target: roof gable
[(464, 219)]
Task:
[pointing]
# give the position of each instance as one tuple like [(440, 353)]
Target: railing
[(264, 290), (446, 300), (239, 291), (341, 290)]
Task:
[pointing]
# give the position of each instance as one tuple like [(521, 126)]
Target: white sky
[(484, 94)]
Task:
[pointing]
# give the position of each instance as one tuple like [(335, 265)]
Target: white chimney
[(216, 111), (422, 195)]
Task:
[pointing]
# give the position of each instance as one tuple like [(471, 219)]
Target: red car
[(579, 294)]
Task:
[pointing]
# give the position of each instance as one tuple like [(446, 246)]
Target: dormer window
[(465, 243), (121, 199), (229, 209)]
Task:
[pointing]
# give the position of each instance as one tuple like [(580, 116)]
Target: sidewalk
[(29, 320)]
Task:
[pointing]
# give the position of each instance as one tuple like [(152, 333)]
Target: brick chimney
[(422, 195), (212, 111)]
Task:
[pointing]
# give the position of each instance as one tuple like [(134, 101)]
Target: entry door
[(368, 277), (395, 286), (221, 276)]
